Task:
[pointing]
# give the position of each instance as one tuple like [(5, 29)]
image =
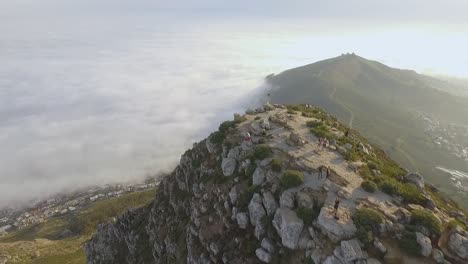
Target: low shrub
[(427, 220), (408, 192), (217, 137), (409, 244), (365, 236), (321, 130), (307, 215), (262, 151), (312, 123), (372, 165), (351, 155), (291, 112), (369, 186), (367, 218), (292, 178), (276, 165)]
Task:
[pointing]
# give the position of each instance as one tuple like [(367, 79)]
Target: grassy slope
[(382, 102), (25, 243)]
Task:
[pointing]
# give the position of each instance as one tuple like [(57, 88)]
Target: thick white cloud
[(94, 92)]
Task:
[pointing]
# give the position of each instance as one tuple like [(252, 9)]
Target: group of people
[(322, 143)]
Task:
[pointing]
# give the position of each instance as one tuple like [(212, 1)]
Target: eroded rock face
[(270, 204), (287, 200), (289, 227), (336, 229), (458, 244), (258, 178)]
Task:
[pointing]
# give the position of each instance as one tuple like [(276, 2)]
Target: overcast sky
[(95, 92)]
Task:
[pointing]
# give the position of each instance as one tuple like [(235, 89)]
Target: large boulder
[(270, 204), (415, 179), (458, 244), (228, 165), (425, 244), (234, 153), (289, 227), (336, 229), (268, 245), (258, 177), (296, 139), (438, 256), (265, 124)]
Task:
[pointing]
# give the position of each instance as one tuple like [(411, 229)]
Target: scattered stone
[(304, 200), (289, 227), (228, 166), (258, 177), (270, 204), (256, 210), (234, 194), (262, 255), (425, 243), (296, 139), (348, 146), (415, 179), (438, 256), (287, 199), (268, 245), (242, 220), (379, 246), (351, 251)]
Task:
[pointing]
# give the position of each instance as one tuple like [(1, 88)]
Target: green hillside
[(383, 104)]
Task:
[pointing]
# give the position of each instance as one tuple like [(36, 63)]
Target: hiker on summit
[(335, 207)]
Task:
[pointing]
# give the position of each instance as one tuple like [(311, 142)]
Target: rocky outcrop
[(336, 229), (288, 226), (415, 179), (225, 203)]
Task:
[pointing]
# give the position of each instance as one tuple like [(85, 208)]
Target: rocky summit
[(287, 184)]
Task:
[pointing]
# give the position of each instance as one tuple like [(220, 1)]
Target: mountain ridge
[(265, 197)]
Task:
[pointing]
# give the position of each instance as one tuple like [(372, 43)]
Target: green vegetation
[(427, 220), (292, 178), (262, 151), (86, 222), (321, 130), (276, 165), (454, 223), (369, 186), (366, 221), (409, 244), (307, 215), (408, 192)]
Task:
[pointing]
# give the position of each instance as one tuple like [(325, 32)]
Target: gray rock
[(289, 227), (287, 200), (415, 179), (258, 177), (351, 251), (268, 245), (438, 256), (265, 124), (304, 239), (425, 243), (336, 230), (332, 260), (372, 261), (228, 166), (403, 216), (256, 210), (270, 204), (379, 246), (303, 199), (234, 153), (296, 139), (215, 248), (234, 194), (348, 146), (458, 245), (210, 146), (242, 220), (262, 255)]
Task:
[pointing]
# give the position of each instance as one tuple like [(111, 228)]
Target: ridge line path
[(345, 182)]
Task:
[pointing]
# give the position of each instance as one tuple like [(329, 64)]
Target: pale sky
[(95, 92)]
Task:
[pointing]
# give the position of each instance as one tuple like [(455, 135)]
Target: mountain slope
[(383, 103), (266, 200)]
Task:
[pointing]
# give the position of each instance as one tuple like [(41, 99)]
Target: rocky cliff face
[(270, 198)]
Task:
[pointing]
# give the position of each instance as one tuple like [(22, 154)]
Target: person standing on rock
[(248, 139), (319, 144), (335, 207)]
